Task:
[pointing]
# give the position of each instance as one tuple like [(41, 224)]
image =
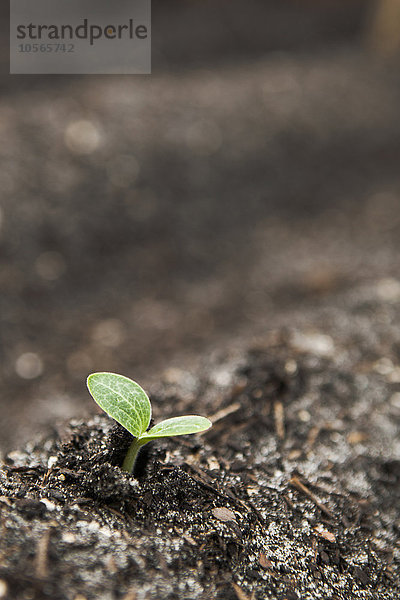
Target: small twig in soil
[(312, 436), (279, 416), (83, 500), (46, 476), (41, 559), (295, 482), (225, 412)]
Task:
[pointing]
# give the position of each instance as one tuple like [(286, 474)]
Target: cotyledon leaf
[(177, 426), (122, 399)]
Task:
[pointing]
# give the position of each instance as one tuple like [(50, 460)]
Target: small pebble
[(213, 464), (324, 533), (223, 514)]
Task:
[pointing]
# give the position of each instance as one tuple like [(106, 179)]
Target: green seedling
[(126, 402)]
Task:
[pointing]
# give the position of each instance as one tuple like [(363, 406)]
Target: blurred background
[(145, 220)]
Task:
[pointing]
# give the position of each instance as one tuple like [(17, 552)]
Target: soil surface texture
[(144, 219), (293, 494), (225, 232)]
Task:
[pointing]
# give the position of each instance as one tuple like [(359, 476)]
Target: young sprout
[(126, 402)]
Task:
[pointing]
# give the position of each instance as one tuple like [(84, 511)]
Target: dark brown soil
[(231, 241), (292, 494)]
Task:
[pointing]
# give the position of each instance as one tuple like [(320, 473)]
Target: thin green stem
[(132, 454)]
